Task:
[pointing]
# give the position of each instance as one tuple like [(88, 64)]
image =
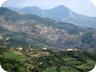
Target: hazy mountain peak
[(61, 13), (61, 7), (84, 7)]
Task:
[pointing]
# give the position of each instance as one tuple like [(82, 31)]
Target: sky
[(85, 7)]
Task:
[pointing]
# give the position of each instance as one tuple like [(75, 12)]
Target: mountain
[(60, 13), (31, 30), (33, 9)]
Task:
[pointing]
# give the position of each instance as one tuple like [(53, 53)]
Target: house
[(71, 49), (19, 48), (31, 49), (44, 48)]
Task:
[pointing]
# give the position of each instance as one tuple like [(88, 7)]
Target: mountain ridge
[(61, 13)]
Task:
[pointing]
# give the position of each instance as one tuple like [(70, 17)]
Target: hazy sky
[(80, 6)]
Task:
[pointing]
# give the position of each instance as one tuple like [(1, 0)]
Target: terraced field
[(28, 60)]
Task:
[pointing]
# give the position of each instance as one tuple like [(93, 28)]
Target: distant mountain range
[(60, 13), (28, 30)]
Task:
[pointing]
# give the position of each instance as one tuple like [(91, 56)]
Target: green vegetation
[(68, 69), (27, 60), (52, 69)]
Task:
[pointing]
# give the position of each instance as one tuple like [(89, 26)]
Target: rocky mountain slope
[(31, 30)]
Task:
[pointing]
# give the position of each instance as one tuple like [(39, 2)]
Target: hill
[(29, 30)]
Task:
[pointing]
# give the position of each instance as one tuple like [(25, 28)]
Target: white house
[(19, 48), (71, 49), (44, 48)]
